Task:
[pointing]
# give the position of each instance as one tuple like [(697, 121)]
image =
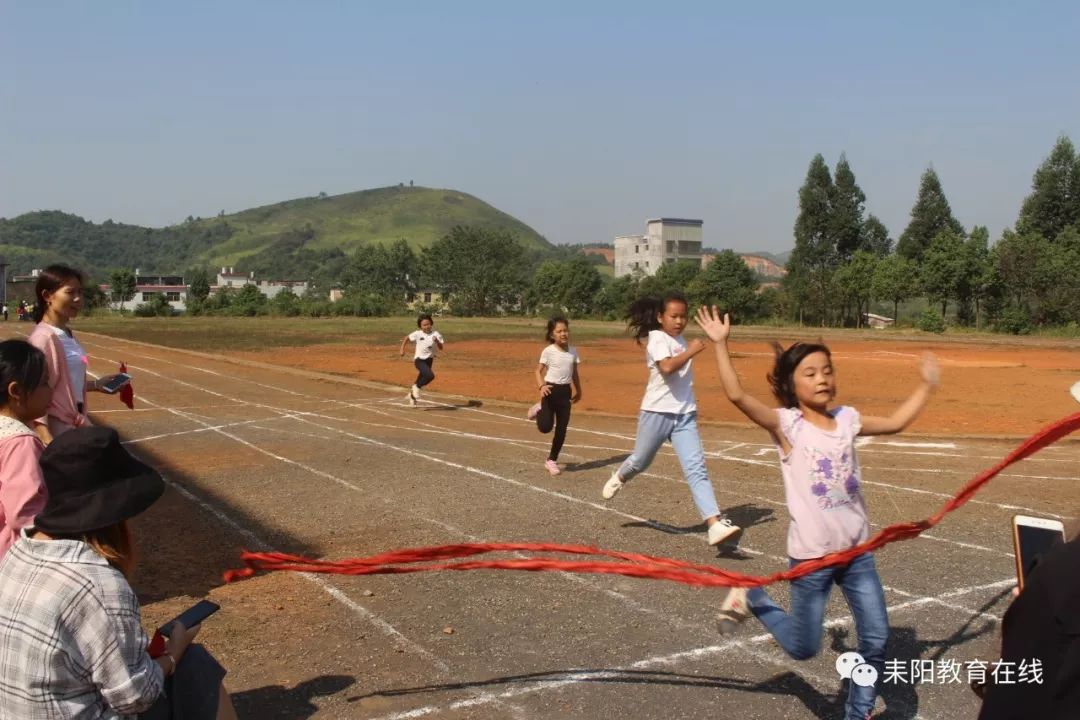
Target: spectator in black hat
[(71, 640)]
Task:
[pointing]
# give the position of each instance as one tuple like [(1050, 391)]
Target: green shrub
[(1015, 321), (930, 321)]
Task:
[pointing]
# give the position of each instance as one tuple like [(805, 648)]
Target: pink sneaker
[(552, 467), (533, 411)]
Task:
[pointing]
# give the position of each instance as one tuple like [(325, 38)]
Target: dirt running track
[(263, 458), (988, 390)]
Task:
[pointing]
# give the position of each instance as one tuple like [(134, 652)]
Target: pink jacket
[(63, 413), (22, 490)]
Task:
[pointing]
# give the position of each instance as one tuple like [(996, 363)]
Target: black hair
[(551, 327), (422, 318), (23, 364), (782, 377), (641, 318), (52, 279)]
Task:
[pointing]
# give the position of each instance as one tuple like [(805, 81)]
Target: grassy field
[(210, 334)]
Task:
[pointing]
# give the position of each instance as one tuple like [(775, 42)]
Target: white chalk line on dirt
[(295, 414), (622, 598), (434, 459), (324, 585), (575, 678), (339, 431)]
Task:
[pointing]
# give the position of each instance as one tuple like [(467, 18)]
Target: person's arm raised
[(910, 408), (718, 329)]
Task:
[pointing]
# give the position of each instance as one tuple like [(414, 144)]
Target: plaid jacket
[(71, 642)]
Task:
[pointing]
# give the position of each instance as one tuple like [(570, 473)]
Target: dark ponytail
[(23, 364), (641, 318)]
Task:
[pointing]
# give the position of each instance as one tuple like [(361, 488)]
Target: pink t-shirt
[(22, 490), (822, 484)]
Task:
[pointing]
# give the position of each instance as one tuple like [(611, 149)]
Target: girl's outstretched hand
[(717, 327), (931, 374)]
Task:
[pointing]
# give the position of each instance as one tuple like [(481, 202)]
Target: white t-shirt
[(560, 364), (672, 393), (425, 343), (76, 360)]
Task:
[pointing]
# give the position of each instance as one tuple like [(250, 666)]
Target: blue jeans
[(653, 429), (799, 632)]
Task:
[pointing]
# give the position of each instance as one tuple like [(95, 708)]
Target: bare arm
[(541, 371), (675, 362), (718, 329), (42, 431), (404, 342), (577, 386), (910, 408)]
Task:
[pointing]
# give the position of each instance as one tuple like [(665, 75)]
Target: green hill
[(293, 238), (384, 215)]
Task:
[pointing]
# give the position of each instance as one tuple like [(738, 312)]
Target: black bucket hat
[(93, 482)]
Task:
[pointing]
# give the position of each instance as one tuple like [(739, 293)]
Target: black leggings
[(423, 366), (555, 410)]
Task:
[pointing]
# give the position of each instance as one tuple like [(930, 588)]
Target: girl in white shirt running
[(427, 339), (554, 375), (669, 408)]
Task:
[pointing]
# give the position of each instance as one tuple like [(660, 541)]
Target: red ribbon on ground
[(632, 564), (127, 393)]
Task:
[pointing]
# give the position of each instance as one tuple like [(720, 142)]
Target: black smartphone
[(192, 616), (116, 383)]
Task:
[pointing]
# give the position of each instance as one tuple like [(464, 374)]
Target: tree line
[(844, 258)]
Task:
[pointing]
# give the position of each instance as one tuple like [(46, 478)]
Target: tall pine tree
[(875, 237), (815, 256), (848, 207), (930, 215), (1054, 202)]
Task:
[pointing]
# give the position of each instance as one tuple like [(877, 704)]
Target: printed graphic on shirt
[(833, 481)]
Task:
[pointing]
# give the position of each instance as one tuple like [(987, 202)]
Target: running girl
[(426, 339), (554, 375), (669, 409), (24, 396), (824, 499)]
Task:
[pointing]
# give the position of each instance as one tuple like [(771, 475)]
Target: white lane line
[(369, 440), (700, 653), (323, 584)]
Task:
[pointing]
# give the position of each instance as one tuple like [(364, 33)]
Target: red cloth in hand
[(127, 393)]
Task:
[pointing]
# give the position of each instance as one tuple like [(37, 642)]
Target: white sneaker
[(533, 412), (414, 392), (734, 610), (612, 486), (411, 399), (722, 530)]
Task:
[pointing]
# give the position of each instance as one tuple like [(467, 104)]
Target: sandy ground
[(265, 458), (986, 389)]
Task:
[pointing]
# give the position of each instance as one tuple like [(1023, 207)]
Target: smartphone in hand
[(191, 617), (116, 383), (1032, 537)]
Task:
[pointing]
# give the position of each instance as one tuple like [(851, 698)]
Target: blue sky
[(581, 118)]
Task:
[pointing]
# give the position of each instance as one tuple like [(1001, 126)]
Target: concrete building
[(666, 240), (229, 278), (172, 287)]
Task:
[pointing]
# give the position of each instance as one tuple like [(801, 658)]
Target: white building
[(229, 278), (666, 240)]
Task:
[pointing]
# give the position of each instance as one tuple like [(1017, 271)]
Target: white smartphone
[(1032, 537), (116, 383)]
